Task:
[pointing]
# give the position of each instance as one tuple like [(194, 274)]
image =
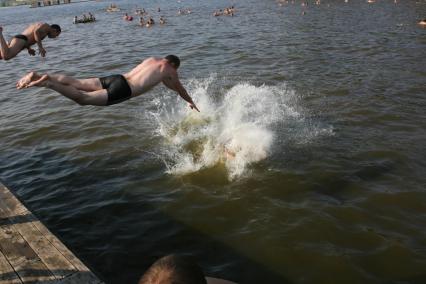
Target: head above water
[(173, 60), (56, 31), (173, 269)]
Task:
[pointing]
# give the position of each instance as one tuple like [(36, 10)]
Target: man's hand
[(42, 51), (31, 51), (193, 106)]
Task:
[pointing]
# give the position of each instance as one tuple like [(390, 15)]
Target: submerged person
[(113, 89), (35, 33)]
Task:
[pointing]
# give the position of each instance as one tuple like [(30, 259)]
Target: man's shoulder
[(153, 59), (37, 25), (148, 60)]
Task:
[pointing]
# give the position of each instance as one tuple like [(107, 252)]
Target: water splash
[(234, 127)]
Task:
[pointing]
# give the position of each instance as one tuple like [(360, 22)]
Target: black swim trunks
[(117, 88), (23, 38)]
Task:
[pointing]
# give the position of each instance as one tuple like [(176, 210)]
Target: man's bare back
[(148, 74)]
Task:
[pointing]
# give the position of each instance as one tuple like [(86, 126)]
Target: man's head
[(173, 269), (54, 31), (173, 60)]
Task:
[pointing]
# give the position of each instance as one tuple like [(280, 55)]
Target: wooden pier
[(30, 253)]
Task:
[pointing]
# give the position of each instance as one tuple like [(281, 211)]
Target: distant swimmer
[(150, 22), (422, 22), (35, 33), (113, 89), (126, 17)]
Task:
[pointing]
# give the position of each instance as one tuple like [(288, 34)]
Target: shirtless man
[(116, 88), (35, 33)]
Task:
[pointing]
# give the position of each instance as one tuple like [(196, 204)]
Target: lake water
[(323, 112)]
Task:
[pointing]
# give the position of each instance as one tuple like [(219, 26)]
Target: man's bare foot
[(42, 82), (24, 81), (27, 80)]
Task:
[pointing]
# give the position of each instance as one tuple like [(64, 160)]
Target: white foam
[(235, 126)]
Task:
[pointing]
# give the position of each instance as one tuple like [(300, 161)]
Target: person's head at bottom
[(174, 269)]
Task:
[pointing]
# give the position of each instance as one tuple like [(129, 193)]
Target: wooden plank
[(32, 250), (9, 204), (34, 272), (7, 274), (22, 258), (61, 247), (51, 257), (14, 247), (80, 277), (63, 256)]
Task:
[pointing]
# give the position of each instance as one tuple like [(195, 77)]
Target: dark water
[(324, 111)]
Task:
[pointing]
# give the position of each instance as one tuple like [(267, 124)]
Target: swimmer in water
[(229, 155), (116, 88), (91, 17), (150, 22), (34, 34), (229, 150), (422, 22), (127, 17)]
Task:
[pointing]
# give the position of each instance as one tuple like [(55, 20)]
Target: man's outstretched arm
[(39, 33), (172, 82)]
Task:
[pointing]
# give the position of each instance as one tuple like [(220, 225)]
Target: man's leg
[(3, 44), (9, 51), (97, 98), (88, 85)]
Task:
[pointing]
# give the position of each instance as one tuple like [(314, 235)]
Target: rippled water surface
[(305, 165)]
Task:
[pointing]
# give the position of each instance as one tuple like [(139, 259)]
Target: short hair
[(173, 59), (56, 27), (174, 269)]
